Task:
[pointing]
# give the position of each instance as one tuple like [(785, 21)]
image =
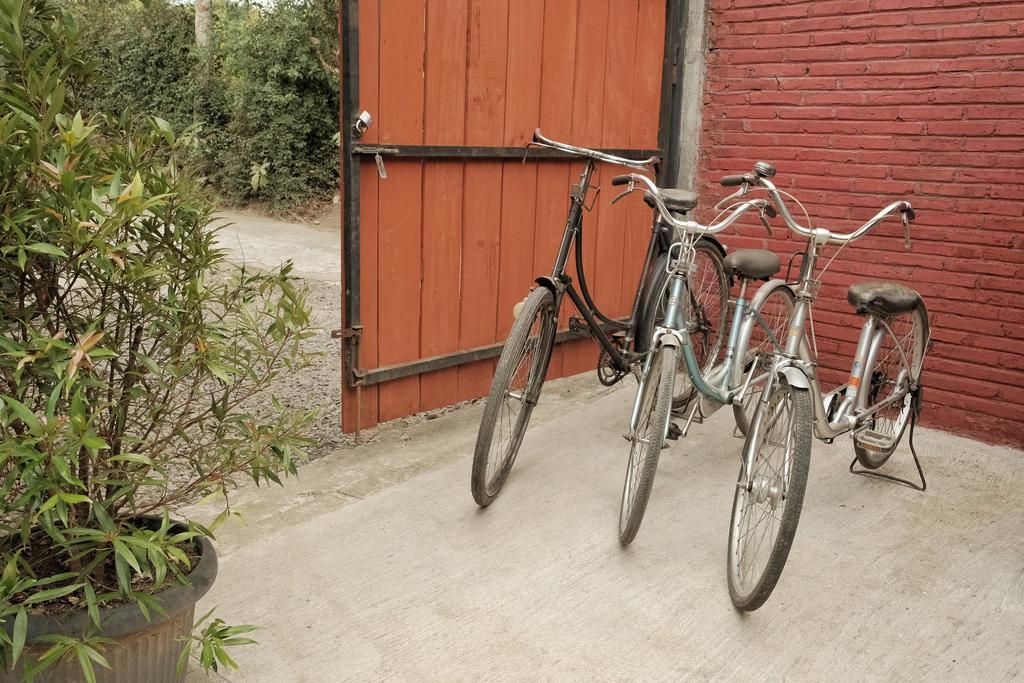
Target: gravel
[(319, 385)]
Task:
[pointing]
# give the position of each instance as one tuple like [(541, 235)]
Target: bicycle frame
[(798, 365), (560, 283), (676, 332)]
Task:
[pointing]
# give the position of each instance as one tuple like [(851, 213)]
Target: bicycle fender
[(764, 290), (714, 241), (667, 337), (795, 377), (546, 281)]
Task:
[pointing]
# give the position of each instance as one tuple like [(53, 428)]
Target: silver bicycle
[(875, 403)]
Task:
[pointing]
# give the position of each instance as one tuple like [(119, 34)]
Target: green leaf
[(122, 550), (60, 463), (132, 457), (20, 629), (44, 248), (95, 442), (148, 362), (74, 498), (219, 371), (22, 412), (106, 523), (86, 666), (90, 601), (124, 579), (52, 594), (95, 656)]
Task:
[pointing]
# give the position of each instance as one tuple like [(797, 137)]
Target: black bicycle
[(524, 360)]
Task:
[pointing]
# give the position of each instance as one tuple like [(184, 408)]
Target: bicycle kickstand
[(915, 410)]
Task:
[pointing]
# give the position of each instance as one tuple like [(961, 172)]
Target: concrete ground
[(376, 564)]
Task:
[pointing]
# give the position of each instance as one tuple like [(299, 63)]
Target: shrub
[(278, 72), (144, 57), (131, 353)]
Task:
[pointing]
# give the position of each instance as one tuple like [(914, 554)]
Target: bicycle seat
[(753, 264), (675, 200), (882, 298)]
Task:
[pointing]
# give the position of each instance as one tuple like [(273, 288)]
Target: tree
[(204, 17)]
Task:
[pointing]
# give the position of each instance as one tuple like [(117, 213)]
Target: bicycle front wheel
[(766, 507), (646, 441), (515, 390), (892, 375)]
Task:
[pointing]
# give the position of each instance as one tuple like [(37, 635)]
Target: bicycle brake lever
[(738, 193), (620, 196), (906, 231), (764, 221)]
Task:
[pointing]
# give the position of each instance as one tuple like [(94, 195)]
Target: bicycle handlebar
[(641, 164), (758, 178), (733, 180), (688, 225)]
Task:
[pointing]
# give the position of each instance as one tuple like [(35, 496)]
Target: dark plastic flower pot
[(143, 650)]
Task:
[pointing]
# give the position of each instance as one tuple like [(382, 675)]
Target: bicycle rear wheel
[(655, 407), (767, 503), (755, 352), (708, 306), (892, 375), (515, 389)]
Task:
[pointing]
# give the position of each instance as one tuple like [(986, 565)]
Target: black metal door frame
[(352, 154)]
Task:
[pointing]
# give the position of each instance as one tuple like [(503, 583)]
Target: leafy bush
[(279, 75), (144, 58), (130, 351), (266, 94)]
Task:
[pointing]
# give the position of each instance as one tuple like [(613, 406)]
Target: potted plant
[(133, 362)]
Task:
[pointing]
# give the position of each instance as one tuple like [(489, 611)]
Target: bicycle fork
[(666, 334)]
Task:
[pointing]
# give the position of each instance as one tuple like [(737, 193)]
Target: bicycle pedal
[(674, 432), (578, 326), (873, 439)]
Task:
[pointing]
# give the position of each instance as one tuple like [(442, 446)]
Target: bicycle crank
[(607, 374)]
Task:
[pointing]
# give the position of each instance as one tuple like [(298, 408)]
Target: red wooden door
[(448, 243)]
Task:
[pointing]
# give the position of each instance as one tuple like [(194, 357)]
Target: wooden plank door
[(441, 249)]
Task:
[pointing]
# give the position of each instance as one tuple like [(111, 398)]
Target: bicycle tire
[(536, 321), (776, 310), (887, 426), (652, 421), (712, 303), (772, 486)]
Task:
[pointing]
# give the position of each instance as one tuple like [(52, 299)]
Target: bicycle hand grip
[(621, 180), (909, 213), (770, 211), (733, 180)]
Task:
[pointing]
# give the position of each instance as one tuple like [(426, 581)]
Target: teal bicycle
[(736, 380)]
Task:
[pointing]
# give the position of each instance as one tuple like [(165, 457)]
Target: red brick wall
[(859, 103)]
